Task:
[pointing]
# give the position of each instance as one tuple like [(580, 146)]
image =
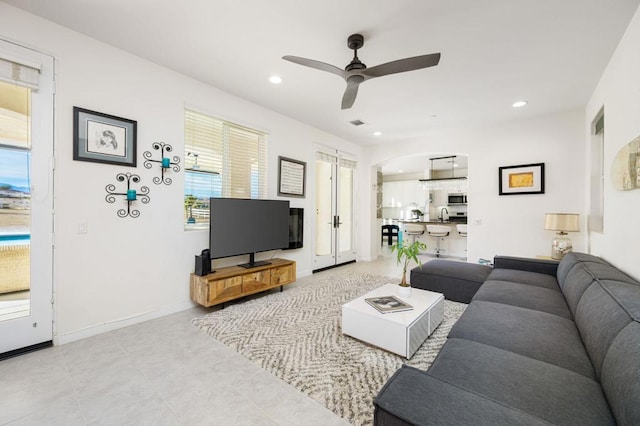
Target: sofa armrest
[(542, 266)]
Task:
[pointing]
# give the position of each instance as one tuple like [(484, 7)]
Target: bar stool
[(462, 231), (390, 231), (439, 232), (414, 230)]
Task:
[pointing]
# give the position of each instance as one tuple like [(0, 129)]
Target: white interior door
[(26, 197), (335, 230)]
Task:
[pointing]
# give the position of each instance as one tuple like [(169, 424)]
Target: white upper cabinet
[(391, 194), (403, 193), (440, 197)]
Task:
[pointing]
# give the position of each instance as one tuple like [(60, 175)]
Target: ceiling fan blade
[(351, 91), (316, 64), (402, 65)]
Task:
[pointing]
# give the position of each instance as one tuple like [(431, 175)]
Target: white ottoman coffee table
[(399, 332)]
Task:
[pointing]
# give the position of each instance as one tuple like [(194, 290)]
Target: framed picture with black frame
[(291, 177), (521, 179), (103, 138)]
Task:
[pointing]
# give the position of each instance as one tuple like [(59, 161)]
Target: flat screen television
[(240, 226)]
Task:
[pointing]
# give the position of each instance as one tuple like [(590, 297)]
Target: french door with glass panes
[(26, 198), (335, 199)]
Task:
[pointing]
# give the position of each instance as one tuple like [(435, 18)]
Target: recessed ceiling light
[(519, 104), (275, 79), (377, 133), (400, 171)]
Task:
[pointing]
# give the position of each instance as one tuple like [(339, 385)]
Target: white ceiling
[(494, 52)]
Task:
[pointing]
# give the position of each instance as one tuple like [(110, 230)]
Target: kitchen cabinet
[(403, 194), (439, 197), (415, 193), (392, 194)]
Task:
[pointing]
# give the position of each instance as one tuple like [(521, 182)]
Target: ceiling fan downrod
[(355, 42)]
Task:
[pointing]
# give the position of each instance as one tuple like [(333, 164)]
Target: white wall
[(512, 225), (128, 270), (619, 92)]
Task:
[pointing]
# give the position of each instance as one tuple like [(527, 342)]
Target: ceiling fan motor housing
[(355, 41)]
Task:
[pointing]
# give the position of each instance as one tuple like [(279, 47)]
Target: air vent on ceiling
[(357, 122)]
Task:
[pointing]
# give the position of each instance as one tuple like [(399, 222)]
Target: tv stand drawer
[(283, 275)]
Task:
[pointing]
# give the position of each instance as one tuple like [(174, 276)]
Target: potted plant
[(417, 213), (190, 201), (406, 253)]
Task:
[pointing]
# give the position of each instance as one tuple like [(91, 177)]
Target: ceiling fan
[(356, 72)]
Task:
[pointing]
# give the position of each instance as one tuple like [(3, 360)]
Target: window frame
[(233, 143)]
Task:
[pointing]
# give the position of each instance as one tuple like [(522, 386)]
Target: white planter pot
[(404, 291)]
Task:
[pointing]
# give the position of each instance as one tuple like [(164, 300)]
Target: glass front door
[(26, 194), (335, 231)]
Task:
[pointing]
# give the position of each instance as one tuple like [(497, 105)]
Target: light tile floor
[(160, 372)]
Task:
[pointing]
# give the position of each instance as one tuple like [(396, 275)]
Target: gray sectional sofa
[(540, 343)]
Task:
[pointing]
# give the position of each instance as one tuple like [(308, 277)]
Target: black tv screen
[(239, 226)]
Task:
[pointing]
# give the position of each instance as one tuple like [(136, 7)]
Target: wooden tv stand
[(233, 282)]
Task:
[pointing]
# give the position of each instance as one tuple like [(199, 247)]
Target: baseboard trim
[(116, 324)]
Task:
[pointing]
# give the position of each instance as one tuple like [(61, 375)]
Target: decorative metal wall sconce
[(165, 162), (130, 194)]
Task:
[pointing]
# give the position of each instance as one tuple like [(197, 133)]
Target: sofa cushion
[(599, 267), (572, 259), (525, 277), (552, 393), (577, 271), (539, 335), (412, 397), (620, 373), (577, 280), (604, 310), (525, 296)]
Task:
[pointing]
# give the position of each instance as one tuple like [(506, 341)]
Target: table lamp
[(563, 223)]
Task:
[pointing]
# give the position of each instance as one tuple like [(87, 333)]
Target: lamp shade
[(566, 222)]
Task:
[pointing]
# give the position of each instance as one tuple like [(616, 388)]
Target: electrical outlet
[(82, 228)]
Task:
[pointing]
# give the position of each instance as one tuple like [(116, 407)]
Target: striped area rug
[(296, 336)]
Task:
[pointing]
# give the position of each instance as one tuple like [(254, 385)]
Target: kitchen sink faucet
[(441, 217)]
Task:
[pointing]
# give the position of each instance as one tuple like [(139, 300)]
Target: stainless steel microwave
[(457, 199)]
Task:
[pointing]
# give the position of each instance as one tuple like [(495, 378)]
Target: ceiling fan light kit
[(356, 72)]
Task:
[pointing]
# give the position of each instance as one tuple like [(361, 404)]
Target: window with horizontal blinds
[(15, 116), (15, 104), (222, 159)]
